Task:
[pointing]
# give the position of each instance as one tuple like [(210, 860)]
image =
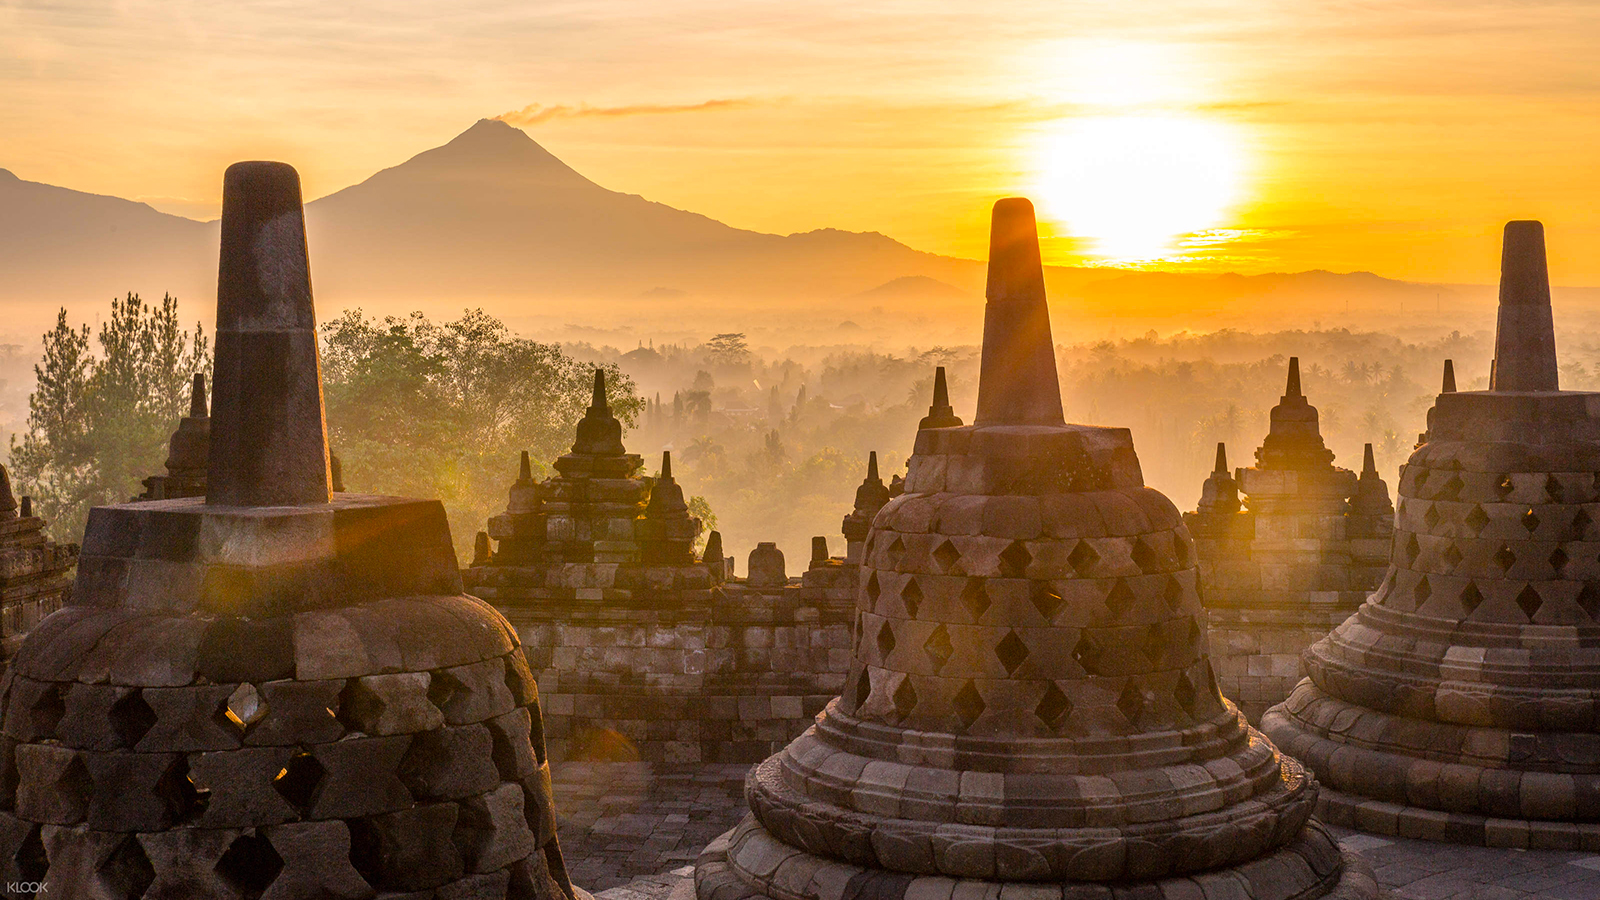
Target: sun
[(1133, 184)]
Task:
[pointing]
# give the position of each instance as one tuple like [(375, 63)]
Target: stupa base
[(1398, 820), (747, 863)]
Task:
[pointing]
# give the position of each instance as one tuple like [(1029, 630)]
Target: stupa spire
[(1222, 458), (525, 469), (1017, 384), (1525, 337), (269, 437), (940, 413), (599, 432), (197, 397), (1449, 386), (1292, 388), (8, 500), (1368, 466)]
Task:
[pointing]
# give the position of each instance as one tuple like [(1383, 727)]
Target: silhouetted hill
[(492, 213), (57, 243), (493, 218)]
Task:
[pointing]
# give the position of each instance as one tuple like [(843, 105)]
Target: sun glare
[(1133, 185)]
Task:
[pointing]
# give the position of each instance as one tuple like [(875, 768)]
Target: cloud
[(535, 113)]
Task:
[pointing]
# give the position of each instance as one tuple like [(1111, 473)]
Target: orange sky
[(1253, 136)]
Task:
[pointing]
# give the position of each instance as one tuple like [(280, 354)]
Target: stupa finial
[(1449, 386), (1017, 383), (1292, 389), (197, 396), (1368, 465), (269, 437), (940, 414), (1525, 337), (1222, 458)]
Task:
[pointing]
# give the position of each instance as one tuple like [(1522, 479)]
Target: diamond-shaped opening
[(32, 863), (911, 596), (1154, 643), (1082, 558), (885, 641), (863, 689), (1145, 557), (1412, 549), (1046, 600), (1558, 559), (176, 789), (1184, 693), (1504, 558), (1505, 487), (47, 710), (126, 872), (1054, 707), (250, 864), (74, 781), (298, 781), (1589, 599), (1131, 702), (1553, 488), (1580, 524), (946, 557), (975, 597), (873, 588), (939, 648), (245, 706), (968, 704), (1452, 488), (1120, 599), (1014, 560), (1530, 521), (1086, 654), (1529, 601), (1477, 518), (1422, 591), (132, 718), (897, 552), (1431, 517), (904, 697), (1451, 556), (1174, 593), (1471, 598), (1012, 652), (444, 689)]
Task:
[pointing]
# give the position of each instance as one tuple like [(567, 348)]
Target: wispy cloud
[(534, 113)]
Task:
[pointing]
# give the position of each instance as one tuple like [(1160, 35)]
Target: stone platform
[(624, 827)]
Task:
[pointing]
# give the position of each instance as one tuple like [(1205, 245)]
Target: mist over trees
[(769, 442), (98, 422)]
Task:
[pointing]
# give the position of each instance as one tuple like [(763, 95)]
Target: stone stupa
[(1461, 701), (1031, 710), (272, 692)]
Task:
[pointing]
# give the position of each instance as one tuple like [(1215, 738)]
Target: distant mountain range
[(493, 216)]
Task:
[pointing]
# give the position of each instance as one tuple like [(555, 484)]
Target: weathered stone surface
[(1031, 707), (240, 694), (1466, 684)]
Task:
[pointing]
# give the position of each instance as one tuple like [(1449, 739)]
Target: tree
[(99, 423), (428, 410), (728, 350)]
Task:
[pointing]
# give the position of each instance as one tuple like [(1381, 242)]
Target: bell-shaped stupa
[(1031, 707), (271, 691), (1460, 702)]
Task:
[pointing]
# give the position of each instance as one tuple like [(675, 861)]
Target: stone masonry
[(1031, 710), (641, 651), (1461, 701), (1288, 549), (33, 569), (273, 692)]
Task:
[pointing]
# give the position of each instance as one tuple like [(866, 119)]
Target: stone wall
[(727, 673)]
